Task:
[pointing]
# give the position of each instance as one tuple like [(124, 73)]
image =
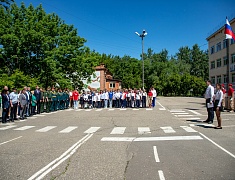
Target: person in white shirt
[(98, 100), (218, 105), (154, 97), (118, 95), (144, 98), (209, 95), (102, 98), (138, 99), (106, 98), (133, 99)]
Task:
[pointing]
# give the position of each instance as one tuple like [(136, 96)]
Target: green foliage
[(42, 46)]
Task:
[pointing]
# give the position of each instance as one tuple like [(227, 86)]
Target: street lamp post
[(144, 33)]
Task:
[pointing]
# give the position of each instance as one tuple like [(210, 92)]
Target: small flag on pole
[(228, 31)]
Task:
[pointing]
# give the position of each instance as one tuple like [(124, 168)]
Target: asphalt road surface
[(166, 142)]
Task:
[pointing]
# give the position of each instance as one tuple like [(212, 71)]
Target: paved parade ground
[(166, 142)]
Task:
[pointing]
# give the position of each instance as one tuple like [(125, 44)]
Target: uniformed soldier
[(42, 100), (60, 99), (63, 100), (67, 99), (49, 100), (54, 100)]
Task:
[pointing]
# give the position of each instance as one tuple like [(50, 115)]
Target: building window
[(232, 41), (112, 85), (233, 58), (218, 63), (218, 80), (218, 46), (224, 43), (213, 65), (225, 60), (233, 78), (212, 50), (213, 80), (225, 78)]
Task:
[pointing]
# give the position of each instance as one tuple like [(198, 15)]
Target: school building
[(218, 60)]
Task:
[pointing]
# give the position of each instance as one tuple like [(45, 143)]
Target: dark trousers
[(144, 101), (154, 101), (33, 110), (22, 111), (54, 106), (117, 103), (210, 111), (4, 115), (38, 107), (137, 103), (13, 111), (124, 103), (128, 102)]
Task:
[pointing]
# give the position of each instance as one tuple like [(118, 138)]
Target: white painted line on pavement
[(143, 139), (111, 109), (39, 115), (79, 110), (161, 175), (192, 125), (161, 106), (229, 126), (193, 118), (176, 110), (31, 117), (92, 130), (24, 128), (156, 154), (68, 129), (7, 127), (122, 109), (168, 129), (67, 154), (195, 112), (118, 130), (45, 129), (88, 109), (149, 109), (143, 130), (98, 109), (218, 145), (205, 125), (184, 115), (180, 113), (10, 140), (6, 124), (188, 129)]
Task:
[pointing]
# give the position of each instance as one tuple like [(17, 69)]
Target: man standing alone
[(209, 94)]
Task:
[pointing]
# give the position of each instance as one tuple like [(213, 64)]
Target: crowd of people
[(24, 103), (215, 102)]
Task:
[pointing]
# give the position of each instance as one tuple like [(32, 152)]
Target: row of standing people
[(125, 98)]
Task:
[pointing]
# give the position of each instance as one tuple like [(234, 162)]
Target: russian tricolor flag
[(228, 31)]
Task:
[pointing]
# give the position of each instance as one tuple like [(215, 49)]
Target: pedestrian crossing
[(113, 131)]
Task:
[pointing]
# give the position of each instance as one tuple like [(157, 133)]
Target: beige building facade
[(217, 51)]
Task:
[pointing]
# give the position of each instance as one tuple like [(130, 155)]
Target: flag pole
[(227, 48)]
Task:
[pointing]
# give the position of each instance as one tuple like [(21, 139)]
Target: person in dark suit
[(5, 105), (37, 94)]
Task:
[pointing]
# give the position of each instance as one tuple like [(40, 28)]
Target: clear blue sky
[(109, 25)]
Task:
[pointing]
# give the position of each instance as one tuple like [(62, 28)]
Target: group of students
[(25, 103), (123, 98), (215, 102)]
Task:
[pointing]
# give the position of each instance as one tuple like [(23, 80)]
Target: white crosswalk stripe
[(118, 130), (24, 128), (144, 130), (7, 127), (45, 129), (168, 129), (188, 129), (68, 129), (92, 130)]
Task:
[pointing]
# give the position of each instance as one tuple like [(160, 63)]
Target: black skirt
[(216, 105)]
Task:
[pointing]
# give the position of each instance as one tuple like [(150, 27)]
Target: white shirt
[(102, 96), (106, 95), (137, 96), (144, 94), (118, 95), (219, 96), (154, 93), (98, 97), (209, 93)]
